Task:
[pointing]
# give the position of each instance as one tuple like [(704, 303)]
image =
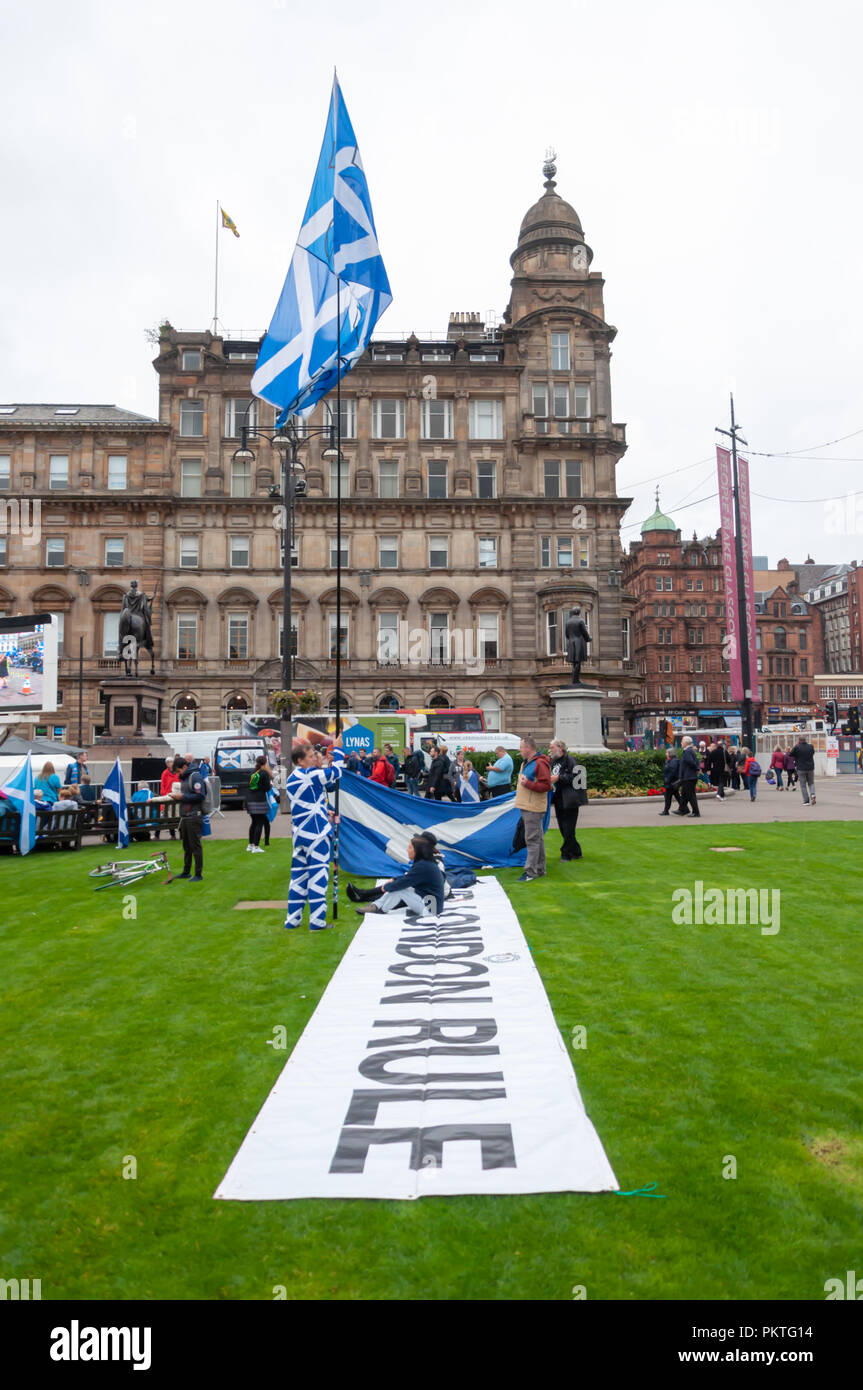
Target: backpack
[(209, 801), (754, 769), (461, 878)]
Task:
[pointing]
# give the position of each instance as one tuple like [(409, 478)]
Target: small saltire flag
[(19, 790), (336, 288), (228, 222), (114, 791)]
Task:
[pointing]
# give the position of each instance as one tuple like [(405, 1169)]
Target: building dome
[(658, 521), (551, 220)]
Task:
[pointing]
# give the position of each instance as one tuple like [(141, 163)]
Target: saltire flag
[(228, 221), (114, 791), (19, 790), (336, 281), (467, 792), (377, 824)]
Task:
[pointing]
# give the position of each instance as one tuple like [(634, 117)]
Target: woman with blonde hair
[(47, 785)]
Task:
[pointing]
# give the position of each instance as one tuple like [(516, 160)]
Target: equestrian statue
[(136, 616)]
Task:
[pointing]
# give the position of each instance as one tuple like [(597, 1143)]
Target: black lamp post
[(288, 442)]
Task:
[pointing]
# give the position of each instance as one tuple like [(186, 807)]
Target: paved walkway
[(837, 798)]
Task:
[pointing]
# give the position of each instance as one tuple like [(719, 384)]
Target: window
[(3, 552), (55, 554), (192, 419), (190, 477), (581, 404), (696, 663), (332, 636), (5, 471), (349, 416), (388, 553), (439, 638), (560, 352), (804, 692), (488, 636), (624, 638), (564, 552), (188, 552), (663, 635), (111, 634), (779, 638), (665, 662), (58, 479), (551, 633), (551, 470), (388, 478), (187, 637), (116, 472), (239, 553), (696, 693), (191, 359), (61, 631), (438, 552), (804, 666), (540, 406), (437, 355), (658, 582), (486, 419), (560, 404), (238, 637), (545, 552), (114, 552), (388, 419), (486, 479), (239, 411), (491, 709), (388, 637), (241, 477), (437, 479), (488, 552), (663, 558), (699, 585), (346, 478), (436, 420), (334, 552), (573, 477), (295, 635), (801, 639)]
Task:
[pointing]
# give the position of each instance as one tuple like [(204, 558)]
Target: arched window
[(185, 714), (439, 702), (491, 709), (779, 638), (332, 707), (235, 708), (388, 701)]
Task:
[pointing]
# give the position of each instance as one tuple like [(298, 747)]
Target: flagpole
[(338, 576), (216, 289)]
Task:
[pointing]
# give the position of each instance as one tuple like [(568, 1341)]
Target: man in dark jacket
[(689, 770), (716, 767), (191, 797), (438, 774), (670, 780), (412, 767), (568, 796), (731, 772), (803, 754)]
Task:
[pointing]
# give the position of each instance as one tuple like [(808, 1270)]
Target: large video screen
[(28, 665)]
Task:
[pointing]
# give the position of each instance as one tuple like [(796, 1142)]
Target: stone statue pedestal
[(133, 707), (578, 718)]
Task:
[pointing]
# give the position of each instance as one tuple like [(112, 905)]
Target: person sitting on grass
[(413, 890)]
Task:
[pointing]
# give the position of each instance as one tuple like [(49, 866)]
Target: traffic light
[(854, 719), (832, 713)]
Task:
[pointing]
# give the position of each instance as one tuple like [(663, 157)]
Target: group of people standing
[(721, 765)]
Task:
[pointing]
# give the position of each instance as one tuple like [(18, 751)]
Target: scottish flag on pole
[(114, 791), (19, 790), (377, 824), (336, 280)]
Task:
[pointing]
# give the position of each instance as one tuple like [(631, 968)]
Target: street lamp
[(288, 442)]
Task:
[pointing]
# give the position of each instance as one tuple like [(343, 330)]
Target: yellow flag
[(228, 222)]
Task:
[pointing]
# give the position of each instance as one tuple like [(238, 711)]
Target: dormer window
[(67, 410), (191, 359)]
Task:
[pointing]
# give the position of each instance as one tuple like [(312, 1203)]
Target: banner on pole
[(432, 1065), (751, 635), (729, 574)]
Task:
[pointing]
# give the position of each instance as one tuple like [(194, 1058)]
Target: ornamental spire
[(549, 168)]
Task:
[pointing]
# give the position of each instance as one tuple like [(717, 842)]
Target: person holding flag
[(311, 835), (114, 792), (19, 790)]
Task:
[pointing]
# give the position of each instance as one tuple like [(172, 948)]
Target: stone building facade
[(479, 506)]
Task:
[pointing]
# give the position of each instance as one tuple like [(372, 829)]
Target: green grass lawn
[(147, 1037)]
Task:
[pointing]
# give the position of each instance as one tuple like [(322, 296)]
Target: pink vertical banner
[(729, 571), (748, 577)]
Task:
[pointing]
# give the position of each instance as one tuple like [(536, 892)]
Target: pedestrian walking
[(438, 784), (257, 803), (777, 763), (671, 780), (689, 770), (412, 767), (392, 758), (568, 796), (751, 773), (791, 778), (383, 771), (716, 767), (312, 834), (731, 771), (803, 754), (740, 759), (531, 798), (190, 795)]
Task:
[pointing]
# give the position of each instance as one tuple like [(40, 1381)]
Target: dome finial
[(657, 496), (549, 168)]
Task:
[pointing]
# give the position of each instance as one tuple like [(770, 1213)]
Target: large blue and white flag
[(377, 824), (114, 791), (19, 790), (336, 281)]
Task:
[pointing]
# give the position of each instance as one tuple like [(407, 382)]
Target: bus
[(234, 760), (467, 719)]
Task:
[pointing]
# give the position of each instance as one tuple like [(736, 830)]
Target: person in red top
[(777, 762), (172, 773), (382, 769)]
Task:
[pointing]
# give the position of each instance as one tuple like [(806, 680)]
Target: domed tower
[(568, 447)]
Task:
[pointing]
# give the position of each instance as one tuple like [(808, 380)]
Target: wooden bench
[(52, 828), (143, 816)]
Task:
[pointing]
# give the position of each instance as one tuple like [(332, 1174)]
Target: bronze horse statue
[(135, 628)]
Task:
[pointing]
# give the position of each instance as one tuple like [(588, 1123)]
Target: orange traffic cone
[(26, 688)]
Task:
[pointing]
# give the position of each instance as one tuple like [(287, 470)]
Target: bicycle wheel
[(102, 870)]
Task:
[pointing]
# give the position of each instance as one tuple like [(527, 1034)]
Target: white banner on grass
[(432, 1064)]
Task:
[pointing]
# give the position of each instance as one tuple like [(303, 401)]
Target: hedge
[(634, 771)]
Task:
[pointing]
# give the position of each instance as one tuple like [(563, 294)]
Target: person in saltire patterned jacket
[(312, 834)]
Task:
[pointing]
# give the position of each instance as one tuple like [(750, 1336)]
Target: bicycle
[(126, 871)]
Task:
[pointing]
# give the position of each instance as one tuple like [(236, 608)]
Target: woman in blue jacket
[(422, 881), (47, 785)]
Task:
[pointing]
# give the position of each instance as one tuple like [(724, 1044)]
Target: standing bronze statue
[(577, 638), (135, 627)]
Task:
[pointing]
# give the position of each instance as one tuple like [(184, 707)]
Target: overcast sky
[(711, 150)]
